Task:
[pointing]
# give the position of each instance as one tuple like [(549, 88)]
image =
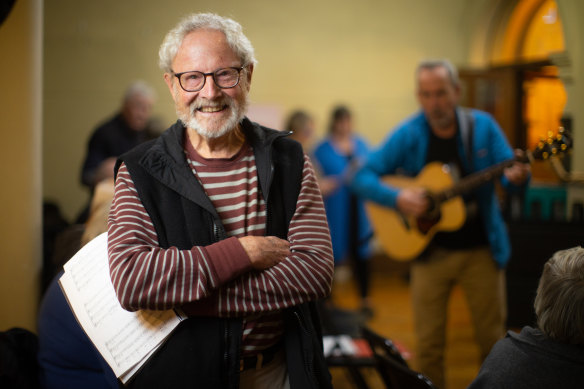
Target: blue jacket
[(332, 164), (404, 152)]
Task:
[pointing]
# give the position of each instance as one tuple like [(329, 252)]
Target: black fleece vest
[(182, 214)]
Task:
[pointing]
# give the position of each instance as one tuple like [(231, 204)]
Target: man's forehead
[(205, 45), (434, 77), (438, 72)]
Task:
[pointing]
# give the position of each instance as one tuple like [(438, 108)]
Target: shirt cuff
[(228, 258)]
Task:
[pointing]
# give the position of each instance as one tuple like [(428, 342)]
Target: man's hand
[(265, 251), (519, 171), (412, 202)]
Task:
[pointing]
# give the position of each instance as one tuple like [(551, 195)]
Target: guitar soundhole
[(426, 223)]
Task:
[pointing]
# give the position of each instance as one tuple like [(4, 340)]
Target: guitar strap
[(466, 125)]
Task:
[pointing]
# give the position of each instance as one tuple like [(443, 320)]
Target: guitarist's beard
[(441, 120)]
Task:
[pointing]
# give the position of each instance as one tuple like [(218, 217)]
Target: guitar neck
[(474, 180)]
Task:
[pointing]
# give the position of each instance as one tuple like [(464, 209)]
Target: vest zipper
[(218, 232), (226, 354)]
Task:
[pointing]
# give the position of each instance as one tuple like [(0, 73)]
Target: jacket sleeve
[(500, 149)]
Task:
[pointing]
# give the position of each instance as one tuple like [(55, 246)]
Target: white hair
[(559, 303), (429, 64), (229, 27), (139, 89)]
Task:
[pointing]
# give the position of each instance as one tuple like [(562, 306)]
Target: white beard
[(215, 130)]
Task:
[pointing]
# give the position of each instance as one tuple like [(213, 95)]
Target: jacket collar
[(166, 162)]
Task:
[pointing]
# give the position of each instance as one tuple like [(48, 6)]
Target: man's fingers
[(265, 252)]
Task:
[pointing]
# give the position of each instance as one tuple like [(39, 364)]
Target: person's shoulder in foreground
[(551, 355)]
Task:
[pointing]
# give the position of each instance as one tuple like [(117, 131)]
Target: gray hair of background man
[(439, 63), (232, 30), (139, 88), (559, 304)]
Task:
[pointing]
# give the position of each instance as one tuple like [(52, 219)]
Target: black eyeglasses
[(194, 81)]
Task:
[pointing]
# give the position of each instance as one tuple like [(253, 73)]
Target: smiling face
[(212, 112)]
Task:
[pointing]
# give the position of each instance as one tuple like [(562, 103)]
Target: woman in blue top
[(335, 158)]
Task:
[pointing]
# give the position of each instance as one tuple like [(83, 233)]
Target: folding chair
[(391, 366)]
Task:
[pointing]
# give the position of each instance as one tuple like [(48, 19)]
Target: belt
[(261, 359)]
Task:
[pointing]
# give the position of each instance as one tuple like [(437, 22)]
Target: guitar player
[(475, 255)]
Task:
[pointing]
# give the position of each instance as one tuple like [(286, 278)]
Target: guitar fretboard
[(475, 180)]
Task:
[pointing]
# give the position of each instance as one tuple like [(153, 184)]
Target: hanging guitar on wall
[(403, 238)]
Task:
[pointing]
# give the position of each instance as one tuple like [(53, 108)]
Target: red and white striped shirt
[(218, 279)]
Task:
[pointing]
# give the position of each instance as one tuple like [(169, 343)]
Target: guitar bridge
[(432, 217), (425, 223)]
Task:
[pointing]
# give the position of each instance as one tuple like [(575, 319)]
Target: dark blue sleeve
[(67, 358)]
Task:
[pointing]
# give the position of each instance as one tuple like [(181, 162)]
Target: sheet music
[(338, 345), (124, 339)]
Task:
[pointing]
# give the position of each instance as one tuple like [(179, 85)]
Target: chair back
[(392, 367), (382, 346)]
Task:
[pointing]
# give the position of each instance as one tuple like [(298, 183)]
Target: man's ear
[(457, 92), (169, 80), (248, 75)]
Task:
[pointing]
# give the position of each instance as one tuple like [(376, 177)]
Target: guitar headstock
[(555, 145)]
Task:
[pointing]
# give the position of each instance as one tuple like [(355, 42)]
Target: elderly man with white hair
[(223, 219)]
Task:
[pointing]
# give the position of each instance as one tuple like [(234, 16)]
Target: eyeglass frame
[(212, 74)]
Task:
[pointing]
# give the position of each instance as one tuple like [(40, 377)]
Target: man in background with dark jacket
[(126, 130)]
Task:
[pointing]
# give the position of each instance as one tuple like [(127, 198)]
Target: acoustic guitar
[(403, 238)]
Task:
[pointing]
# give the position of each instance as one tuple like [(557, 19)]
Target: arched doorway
[(519, 83), (533, 35)]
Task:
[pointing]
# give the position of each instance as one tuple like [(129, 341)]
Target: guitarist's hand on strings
[(412, 202), (519, 171)]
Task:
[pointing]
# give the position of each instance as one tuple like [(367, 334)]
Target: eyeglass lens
[(224, 78)]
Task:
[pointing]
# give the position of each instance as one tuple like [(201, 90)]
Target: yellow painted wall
[(312, 55), (20, 161)]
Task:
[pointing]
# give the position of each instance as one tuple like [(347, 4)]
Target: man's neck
[(445, 132), (223, 147)]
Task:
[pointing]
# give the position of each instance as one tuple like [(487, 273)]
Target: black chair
[(392, 367), (18, 359)]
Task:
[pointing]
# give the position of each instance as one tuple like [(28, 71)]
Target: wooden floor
[(390, 297)]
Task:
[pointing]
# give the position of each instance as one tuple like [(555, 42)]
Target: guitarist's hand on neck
[(412, 202), (519, 171)]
